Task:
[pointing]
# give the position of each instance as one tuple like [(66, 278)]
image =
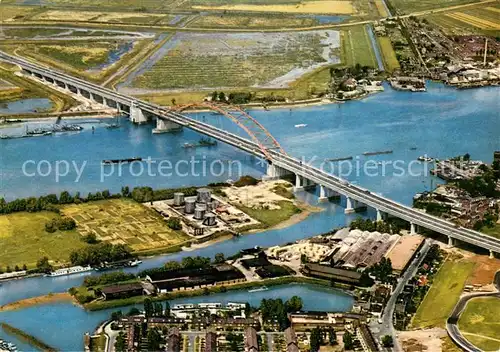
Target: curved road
[(452, 322)]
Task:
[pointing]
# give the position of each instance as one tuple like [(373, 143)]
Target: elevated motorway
[(279, 163)]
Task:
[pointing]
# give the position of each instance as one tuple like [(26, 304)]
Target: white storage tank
[(190, 205), (178, 199), (204, 195)]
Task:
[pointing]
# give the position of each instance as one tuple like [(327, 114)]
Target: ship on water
[(118, 161), (70, 271), (378, 153), (259, 289)]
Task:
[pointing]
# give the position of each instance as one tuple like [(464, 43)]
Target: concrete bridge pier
[(298, 184), (137, 115), (323, 194), (413, 229), (451, 241), (164, 126), (492, 254), (350, 205), (274, 172), (380, 215)]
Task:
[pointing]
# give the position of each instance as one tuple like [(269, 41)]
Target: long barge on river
[(378, 153)]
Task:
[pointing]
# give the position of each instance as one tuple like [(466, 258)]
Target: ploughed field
[(200, 60)]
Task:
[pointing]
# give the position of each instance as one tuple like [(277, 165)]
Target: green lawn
[(357, 47), (481, 317), (23, 240), (443, 295), (272, 217), (388, 55), (492, 231)]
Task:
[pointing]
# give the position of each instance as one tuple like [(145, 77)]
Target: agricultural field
[(479, 323), (410, 6), (121, 221), (124, 5), (444, 293), (382, 10), (388, 54), (357, 47), (92, 59), (14, 13), (102, 17), (483, 19), (246, 21), (319, 6), (272, 60), (23, 240)]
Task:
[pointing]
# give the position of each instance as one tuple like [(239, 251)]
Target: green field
[(388, 55), (492, 231), (23, 240), (443, 294), (357, 47), (409, 6), (123, 221), (234, 60), (272, 217), (251, 21), (481, 317)]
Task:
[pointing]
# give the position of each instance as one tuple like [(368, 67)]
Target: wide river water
[(441, 123)]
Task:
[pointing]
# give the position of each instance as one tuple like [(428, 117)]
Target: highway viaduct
[(279, 163)]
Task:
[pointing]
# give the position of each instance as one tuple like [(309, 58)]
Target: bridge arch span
[(255, 130)]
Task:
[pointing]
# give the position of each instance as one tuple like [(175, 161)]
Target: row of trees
[(186, 263), (99, 253), (8, 269), (276, 309), (50, 202), (318, 337), (61, 224), (108, 278), (392, 227), (156, 309)]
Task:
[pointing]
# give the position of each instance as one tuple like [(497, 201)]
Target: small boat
[(117, 161), (259, 289), (135, 263), (301, 125)]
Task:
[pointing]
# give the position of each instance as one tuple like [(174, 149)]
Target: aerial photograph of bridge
[(249, 175)]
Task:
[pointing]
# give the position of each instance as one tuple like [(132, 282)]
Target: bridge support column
[(451, 241), (274, 172), (137, 115), (298, 184), (492, 254), (379, 215), (350, 206), (323, 194), (412, 229), (164, 126)]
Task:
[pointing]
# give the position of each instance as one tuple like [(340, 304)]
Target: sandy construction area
[(319, 7), (258, 196), (422, 340)]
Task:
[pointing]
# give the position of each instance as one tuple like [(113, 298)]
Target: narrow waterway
[(62, 325), (376, 48)]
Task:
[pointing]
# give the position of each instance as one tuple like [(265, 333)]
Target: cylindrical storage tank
[(210, 206), (178, 199), (210, 220), (199, 214), (190, 205), (204, 195), (201, 206)]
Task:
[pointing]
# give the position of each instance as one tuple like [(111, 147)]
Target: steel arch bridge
[(258, 133)]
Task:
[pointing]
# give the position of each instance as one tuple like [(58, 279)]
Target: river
[(441, 123)]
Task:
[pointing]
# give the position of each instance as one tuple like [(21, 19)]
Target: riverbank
[(23, 336), (30, 302), (101, 305)]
